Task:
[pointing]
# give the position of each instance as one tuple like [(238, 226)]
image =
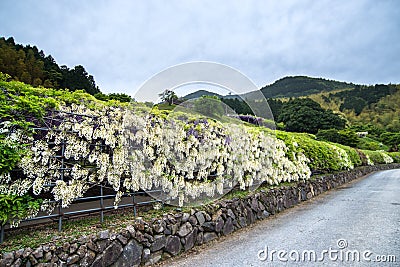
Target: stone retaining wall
[(145, 243)]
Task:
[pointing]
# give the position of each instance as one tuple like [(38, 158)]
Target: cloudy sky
[(124, 43)]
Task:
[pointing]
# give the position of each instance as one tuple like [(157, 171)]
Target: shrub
[(323, 156), (14, 208), (364, 158), (344, 137), (392, 140), (354, 155), (367, 143), (378, 157), (395, 156)]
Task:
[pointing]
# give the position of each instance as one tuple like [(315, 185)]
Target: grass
[(237, 194), (166, 106)]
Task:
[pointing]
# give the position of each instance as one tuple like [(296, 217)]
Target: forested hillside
[(301, 86), (30, 65), (378, 105), (384, 114)]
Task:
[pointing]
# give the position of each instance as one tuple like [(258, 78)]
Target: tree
[(48, 84), (114, 96), (37, 82), (26, 77), (239, 106), (168, 96), (121, 97), (77, 78), (392, 140), (344, 137), (306, 115), (353, 103), (101, 96), (276, 106), (30, 65)]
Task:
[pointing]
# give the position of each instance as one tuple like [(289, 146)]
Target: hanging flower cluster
[(199, 156), (129, 149)]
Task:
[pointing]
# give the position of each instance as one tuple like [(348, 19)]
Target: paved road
[(364, 214)]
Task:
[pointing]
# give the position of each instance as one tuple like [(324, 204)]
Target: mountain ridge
[(288, 86), (295, 86)]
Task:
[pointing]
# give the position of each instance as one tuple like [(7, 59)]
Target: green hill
[(30, 65), (295, 86), (200, 93), (360, 104), (301, 86)]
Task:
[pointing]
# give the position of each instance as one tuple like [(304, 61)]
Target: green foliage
[(367, 143), (385, 114), (324, 157), (19, 101), (353, 103), (101, 96), (377, 157), (373, 130), (164, 106), (392, 140), (363, 157), (200, 93), (395, 156), (4, 77), (379, 105), (345, 137), (362, 96), (78, 79), (29, 65), (210, 106), (290, 143), (306, 115), (10, 155), (168, 96), (16, 208), (355, 155), (276, 106), (239, 106), (123, 98)]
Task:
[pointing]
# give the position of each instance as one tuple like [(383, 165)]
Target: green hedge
[(354, 155), (367, 143), (323, 156), (378, 157), (395, 156)]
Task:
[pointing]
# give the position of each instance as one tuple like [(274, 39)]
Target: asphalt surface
[(360, 218)]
